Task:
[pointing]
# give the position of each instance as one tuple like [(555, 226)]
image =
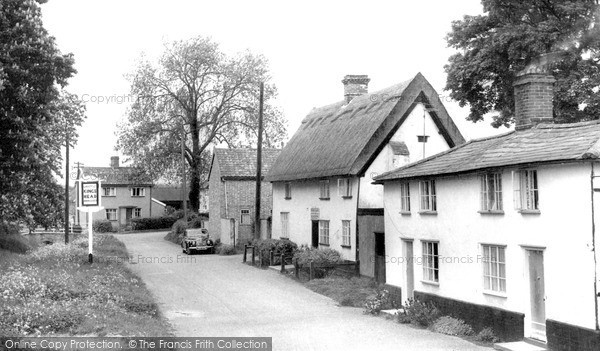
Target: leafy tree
[(35, 113), (195, 87), (495, 46)]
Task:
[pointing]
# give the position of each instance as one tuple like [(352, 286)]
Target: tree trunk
[(195, 178)]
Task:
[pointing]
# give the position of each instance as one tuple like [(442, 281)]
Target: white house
[(323, 194), (501, 231)]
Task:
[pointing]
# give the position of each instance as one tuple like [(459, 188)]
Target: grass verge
[(52, 290), (352, 292)]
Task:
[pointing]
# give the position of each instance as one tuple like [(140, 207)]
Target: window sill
[(495, 293), (321, 244), (138, 196), (491, 212), (405, 213), (430, 283), (346, 196), (529, 211), (434, 213), (109, 195), (324, 198), (346, 246), (287, 198)]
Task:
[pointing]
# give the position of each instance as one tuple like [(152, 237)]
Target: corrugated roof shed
[(241, 163), (543, 143), (340, 139)]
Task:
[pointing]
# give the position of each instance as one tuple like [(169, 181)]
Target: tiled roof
[(543, 143), (241, 163), (340, 139), (117, 175)]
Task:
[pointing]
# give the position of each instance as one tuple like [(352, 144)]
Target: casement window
[(404, 198), (428, 197), (111, 214), (288, 190), (137, 212), (491, 192), (111, 191), (345, 187), (346, 233), (324, 232), (525, 184), (285, 224), (431, 263), (245, 216), (137, 191), (494, 268), (324, 195)]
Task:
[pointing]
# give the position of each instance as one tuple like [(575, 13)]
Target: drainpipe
[(594, 247), (357, 251)]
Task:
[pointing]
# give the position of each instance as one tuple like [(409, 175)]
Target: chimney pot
[(355, 85), (533, 93), (114, 161)]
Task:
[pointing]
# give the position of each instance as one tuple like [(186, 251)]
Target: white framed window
[(109, 191), (111, 214), (525, 186), (137, 212), (324, 194), (285, 224), (346, 233), (324, 232), (405, 197), (288, 190), (428, 196), (137, 191), (491, 192), (431, 261), (245, 216), (345, 187), (494, 268)]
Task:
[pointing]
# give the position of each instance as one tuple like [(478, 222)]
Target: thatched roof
[(240, 164), (343, 140), (541, 144)]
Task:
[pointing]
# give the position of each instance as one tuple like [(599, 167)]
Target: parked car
[(198, 240)]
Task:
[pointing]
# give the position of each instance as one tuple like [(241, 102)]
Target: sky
[(310, 45)]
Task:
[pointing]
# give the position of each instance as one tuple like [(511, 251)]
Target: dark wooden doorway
[(380, 257), (315, 234)]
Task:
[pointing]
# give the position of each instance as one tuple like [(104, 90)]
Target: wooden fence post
[(311, 271), (296, 268), (271, 253), (282, 263), (245, 250), (253, 256)]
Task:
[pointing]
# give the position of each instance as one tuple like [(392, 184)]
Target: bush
[(452, 326), (178, 232), (381, 301), (227, 250), (323, 259), (14, 243), (164, 222), (264, 247), (487, 335), (419, 313), (102, 226), (8, 229)]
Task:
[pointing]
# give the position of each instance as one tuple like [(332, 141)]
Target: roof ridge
[(566, 125)]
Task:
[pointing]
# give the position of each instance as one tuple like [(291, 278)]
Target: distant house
[(232, 189), (322, 191), (126, 194), (501, 231)]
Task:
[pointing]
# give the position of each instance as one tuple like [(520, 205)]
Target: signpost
[(89, 201)]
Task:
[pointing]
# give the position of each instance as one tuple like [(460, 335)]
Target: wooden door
[(410, 268), (537, 294), (315, 234), (380, 257)]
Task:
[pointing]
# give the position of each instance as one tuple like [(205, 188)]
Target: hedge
[(164, 222)]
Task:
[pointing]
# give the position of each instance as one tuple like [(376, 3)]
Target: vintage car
[(197, 240)]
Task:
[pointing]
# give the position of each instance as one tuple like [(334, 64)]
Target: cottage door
[(315, 234), (410, 269), (380, 257), (128, 215), (537, 294)]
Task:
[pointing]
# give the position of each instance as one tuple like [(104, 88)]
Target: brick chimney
[(114, 161), (534, 93), (355, 85)]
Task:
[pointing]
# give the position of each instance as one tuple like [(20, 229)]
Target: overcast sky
[(310, 45)]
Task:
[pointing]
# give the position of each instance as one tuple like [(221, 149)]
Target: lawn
[(351, 292), (53, 290)]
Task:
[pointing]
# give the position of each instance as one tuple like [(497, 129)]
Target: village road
[(211, 295)]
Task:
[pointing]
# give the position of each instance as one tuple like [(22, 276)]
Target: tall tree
[(493, 47), (195, 87), (35, 112)]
